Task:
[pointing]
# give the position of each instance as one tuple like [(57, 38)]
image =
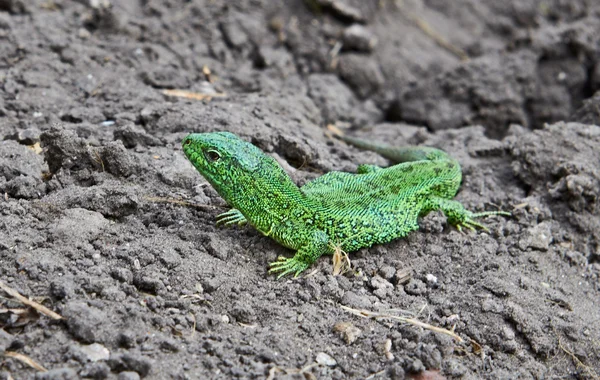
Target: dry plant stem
[(25, 359), (341, 262), (193, 95), (437, 37), (98, 159), (412, 321), (578, 363), (181, 203), (40, 308)]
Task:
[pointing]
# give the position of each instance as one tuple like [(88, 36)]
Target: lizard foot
[(230, 217), (470, 223), (286, 266)]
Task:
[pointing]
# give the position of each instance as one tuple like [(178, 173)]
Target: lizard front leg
[(230, 217), (304, 257)]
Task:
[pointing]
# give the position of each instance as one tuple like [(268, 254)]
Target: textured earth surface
[(104, 221)]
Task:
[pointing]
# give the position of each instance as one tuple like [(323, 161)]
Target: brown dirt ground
[(104, 221)]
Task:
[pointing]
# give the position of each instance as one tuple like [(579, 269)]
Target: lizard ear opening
[(213, 155)]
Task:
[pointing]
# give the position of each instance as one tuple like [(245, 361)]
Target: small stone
[(508, 333), (96, 352), (387, 272), (359, 38), (324, 359), (83, 33), (387, 347), (537, 237), (343, 10), (29, 136), (431, 279), (128, 375)]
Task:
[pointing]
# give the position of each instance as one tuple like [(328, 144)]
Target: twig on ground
[(578, 363), (412, 321), (25, 359), (181, 203), (24, 300), (193, 95)]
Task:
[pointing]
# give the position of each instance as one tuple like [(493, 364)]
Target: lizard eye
[(212, 155)]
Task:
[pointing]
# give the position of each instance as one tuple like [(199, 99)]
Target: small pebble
[(431, 279), (324, 359), (95, 352), (359, 38)]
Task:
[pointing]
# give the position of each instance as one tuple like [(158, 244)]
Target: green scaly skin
[(337, 210)]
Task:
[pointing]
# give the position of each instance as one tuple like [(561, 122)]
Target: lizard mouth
[(191, 150), (187, 143)]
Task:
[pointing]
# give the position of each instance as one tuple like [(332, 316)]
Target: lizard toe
[(284, 266)]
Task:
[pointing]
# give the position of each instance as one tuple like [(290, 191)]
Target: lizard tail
[(395, 154)]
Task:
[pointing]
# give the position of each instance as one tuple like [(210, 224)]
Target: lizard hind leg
[(459, 216), (304, 257)]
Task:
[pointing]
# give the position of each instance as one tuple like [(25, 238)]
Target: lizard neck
[(267, 200)]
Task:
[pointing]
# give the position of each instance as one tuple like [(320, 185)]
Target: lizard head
[(217, 153), (231, 165), (248, 179)]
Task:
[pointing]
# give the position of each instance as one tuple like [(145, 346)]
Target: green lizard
[(337, 210)]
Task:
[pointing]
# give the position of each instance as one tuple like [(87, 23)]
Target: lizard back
[(382, 204)]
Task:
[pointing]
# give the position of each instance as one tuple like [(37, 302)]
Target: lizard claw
[(473, 225), (287, 266)]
